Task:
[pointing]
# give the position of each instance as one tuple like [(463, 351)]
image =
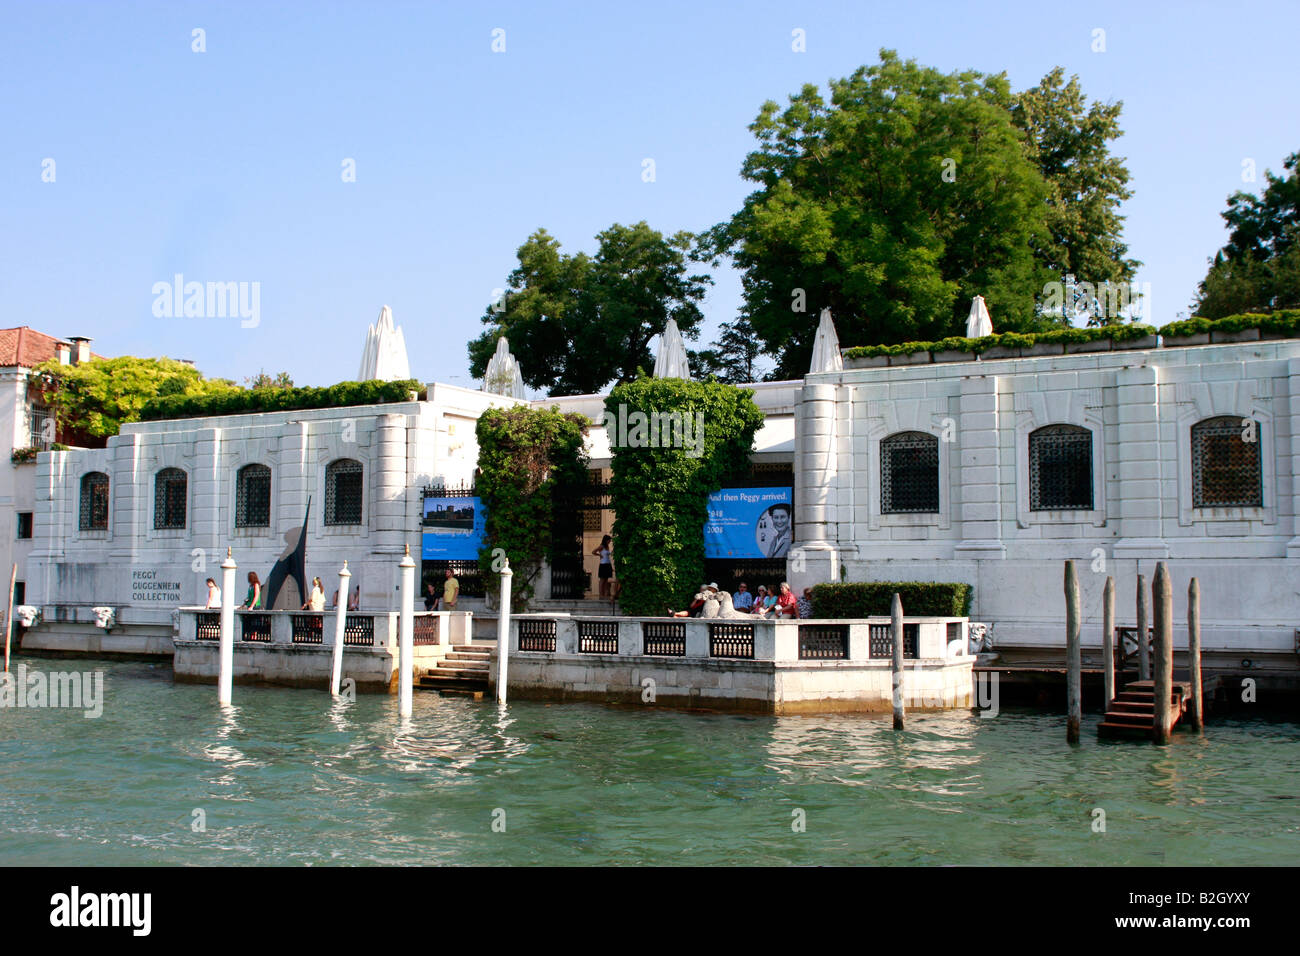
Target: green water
[(288, 777)]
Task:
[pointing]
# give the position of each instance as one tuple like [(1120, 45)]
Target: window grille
[(169, 499), (909, 474), (253, 497), (1060, 468), (1226, 464), (43, 425), (94, 502), (343, 492)]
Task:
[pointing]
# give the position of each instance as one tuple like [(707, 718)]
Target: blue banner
[(749, 523), (453, 529)]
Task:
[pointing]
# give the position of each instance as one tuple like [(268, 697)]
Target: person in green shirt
[(254, 598)]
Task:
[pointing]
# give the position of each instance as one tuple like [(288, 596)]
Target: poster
[(453, 529), (749, 523)]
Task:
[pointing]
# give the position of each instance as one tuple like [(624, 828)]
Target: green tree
[(263, 380), (525, 455), (660, 488), (1068, 141), (1259, 268), (734, 358), (578, 322), (95, 398), (911, 192)]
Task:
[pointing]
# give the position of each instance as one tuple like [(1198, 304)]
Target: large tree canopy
[(578, 322), (1259, 269), (911, 192)]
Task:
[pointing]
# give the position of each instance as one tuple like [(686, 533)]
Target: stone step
[(468, 656), (1135, 720), (460, 668), (1147, 707)]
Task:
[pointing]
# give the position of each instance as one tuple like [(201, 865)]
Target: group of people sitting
[(711, 602)]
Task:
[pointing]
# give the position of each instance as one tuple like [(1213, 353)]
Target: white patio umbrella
[(671, 362), (979, 324), (826, 347)]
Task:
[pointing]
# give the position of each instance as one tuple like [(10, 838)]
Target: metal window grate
[(954, 631), (881, 643), (822, 642), (535, 635), (909, 474), (43, 424), (358, 631), (207, 627), (597, 637), (731, 640), (253, 497), (1227, 464), (169, 489), (664, 639), (255, 627), (343, 492), (308, 628), (1060, 468), (94, 502), (425, 630)]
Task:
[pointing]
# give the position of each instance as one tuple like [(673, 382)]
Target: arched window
[(343, 492), (909, 474), (1060, 468), (253, 497), (169, 487), (94, 502), (1226, 464)]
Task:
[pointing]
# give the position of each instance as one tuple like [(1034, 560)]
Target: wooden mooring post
[(1073, 656), (1162, 599), (896, 637), (1143, 641), (1108, 638), (1197, 709)]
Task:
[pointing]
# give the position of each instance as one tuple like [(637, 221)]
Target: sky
[(128, 157)]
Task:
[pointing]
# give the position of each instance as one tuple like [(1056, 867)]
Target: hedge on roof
[(1116, 333), (875, 598), (240, 401), (1281, 322)]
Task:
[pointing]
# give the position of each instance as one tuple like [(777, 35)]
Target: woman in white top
[(214, 594), (317, 600), (606, 570)]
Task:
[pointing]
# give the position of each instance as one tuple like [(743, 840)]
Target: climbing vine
[(672, 441), (524, 456)]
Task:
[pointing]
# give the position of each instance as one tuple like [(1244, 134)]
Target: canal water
[(163, 776)]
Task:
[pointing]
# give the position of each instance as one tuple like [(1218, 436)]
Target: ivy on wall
[(524, 456), (671, 443)]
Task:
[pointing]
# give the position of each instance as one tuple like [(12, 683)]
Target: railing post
[(226, 677), (406, 640), (503, 632), (1073, 657), (1163, 652), (1108, 638), (1194, 652), (340, 628), (1144, 620)]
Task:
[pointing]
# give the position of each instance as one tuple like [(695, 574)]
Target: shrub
[(1281, 322), (237, 401), (874, 598)]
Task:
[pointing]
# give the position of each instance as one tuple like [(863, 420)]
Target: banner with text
[(453, 529), (749, 523)]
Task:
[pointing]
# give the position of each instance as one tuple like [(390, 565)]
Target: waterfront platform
[(777, 667), (296, 648)]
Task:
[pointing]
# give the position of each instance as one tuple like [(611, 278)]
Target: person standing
[(316, 602), (254, 596), (450, 591), (606, 572), (214, 594)]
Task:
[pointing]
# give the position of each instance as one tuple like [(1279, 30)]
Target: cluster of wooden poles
[(1160, 648)]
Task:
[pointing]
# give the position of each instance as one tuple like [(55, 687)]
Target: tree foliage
[(733, 358), (910, 192), (578, 322), (1259, 268), (95, 398), (524, 455), (660, 490)]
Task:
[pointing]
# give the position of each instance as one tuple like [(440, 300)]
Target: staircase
[(1132, 714), (462, 673)]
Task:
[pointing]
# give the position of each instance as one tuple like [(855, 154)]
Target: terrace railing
[(361, 629)]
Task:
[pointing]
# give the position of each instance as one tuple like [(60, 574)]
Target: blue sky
[(226, 165)]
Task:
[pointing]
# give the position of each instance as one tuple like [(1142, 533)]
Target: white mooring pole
[(406, 644), (340, 625), (503, 632), (226, 677)]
